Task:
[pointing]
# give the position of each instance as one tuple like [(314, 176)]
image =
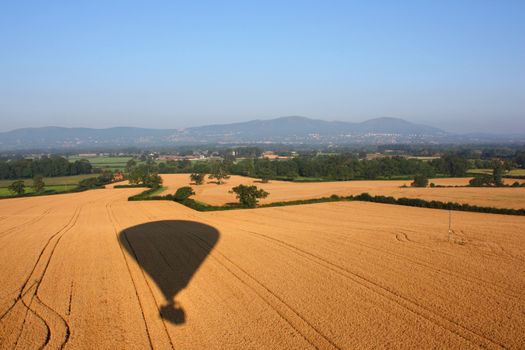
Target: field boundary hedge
[(52, 192), (421, 203), (82, 186), (363, 197), (130, 186)]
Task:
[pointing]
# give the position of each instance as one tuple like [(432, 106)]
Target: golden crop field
[(92, 270), (214, 194)]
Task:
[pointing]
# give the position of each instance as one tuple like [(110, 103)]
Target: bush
[(144, 195), (38, 184), (95, 182), (183, 193), (197, 178), (154, 180), (481, 181), (131, 186), (88, 183), (420, 180), (17, 187)]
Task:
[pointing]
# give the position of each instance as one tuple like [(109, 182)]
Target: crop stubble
[(211, 193), (91, 270)]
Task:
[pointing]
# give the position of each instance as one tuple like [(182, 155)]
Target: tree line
[(324, 167), (19, 188), (44, 166)]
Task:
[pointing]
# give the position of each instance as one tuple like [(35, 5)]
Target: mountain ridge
[(290, 129)]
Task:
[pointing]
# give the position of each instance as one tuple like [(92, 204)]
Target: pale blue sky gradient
[(459, 65)]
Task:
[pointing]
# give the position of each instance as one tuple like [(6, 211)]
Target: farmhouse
[(118, 176)]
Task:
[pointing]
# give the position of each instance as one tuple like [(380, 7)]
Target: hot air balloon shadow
[(170, 252)]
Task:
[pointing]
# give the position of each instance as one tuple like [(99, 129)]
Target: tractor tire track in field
[(505, 290), (385, 292), (31, 221), (289, 315), (70, 299), (42, 320), (444, 271), (113, 221), (295, 320), (2, 218), (60, 333), (402, 237), (150, 290), (20, 292), (36, 275)]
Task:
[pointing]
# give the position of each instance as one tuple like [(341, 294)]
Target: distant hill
[(303, 127), (280, 130), (52, 137)]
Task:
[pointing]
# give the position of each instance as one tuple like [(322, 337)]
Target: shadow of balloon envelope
[(170, 252)]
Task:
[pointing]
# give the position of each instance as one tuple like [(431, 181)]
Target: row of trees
[(19, 187), (496, 179), (43, 166), (335, 168), (348, 167), (96, 182), (143, 174)]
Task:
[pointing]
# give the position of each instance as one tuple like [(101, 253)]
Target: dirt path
[(91, 270)]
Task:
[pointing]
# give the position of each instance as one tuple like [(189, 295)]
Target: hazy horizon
[(458, 66), (515, 132)]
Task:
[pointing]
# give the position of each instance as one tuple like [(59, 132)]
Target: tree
[(248, 195), (420, 180), (44, 166), (183, 193), (266, 174), (82, 166), (197, 178), (153, 180), (519, 158), (17, 187), (130, 165), (497, 173), (481, 180), (91, 182), (141, 175), (454, 165), (244, 167), (219, 173), (138, 175), (38, 184), (264, 170), (106, 177)]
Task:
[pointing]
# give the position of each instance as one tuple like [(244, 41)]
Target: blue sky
[(459, 65)]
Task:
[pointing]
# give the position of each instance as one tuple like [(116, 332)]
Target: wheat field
[(92, 270), (211, 193)]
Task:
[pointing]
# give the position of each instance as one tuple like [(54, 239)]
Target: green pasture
[(4, 192)]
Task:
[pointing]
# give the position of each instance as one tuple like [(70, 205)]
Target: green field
[(426, 158), (513, 172), (104, 162), (52, 181), (4, 192)]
